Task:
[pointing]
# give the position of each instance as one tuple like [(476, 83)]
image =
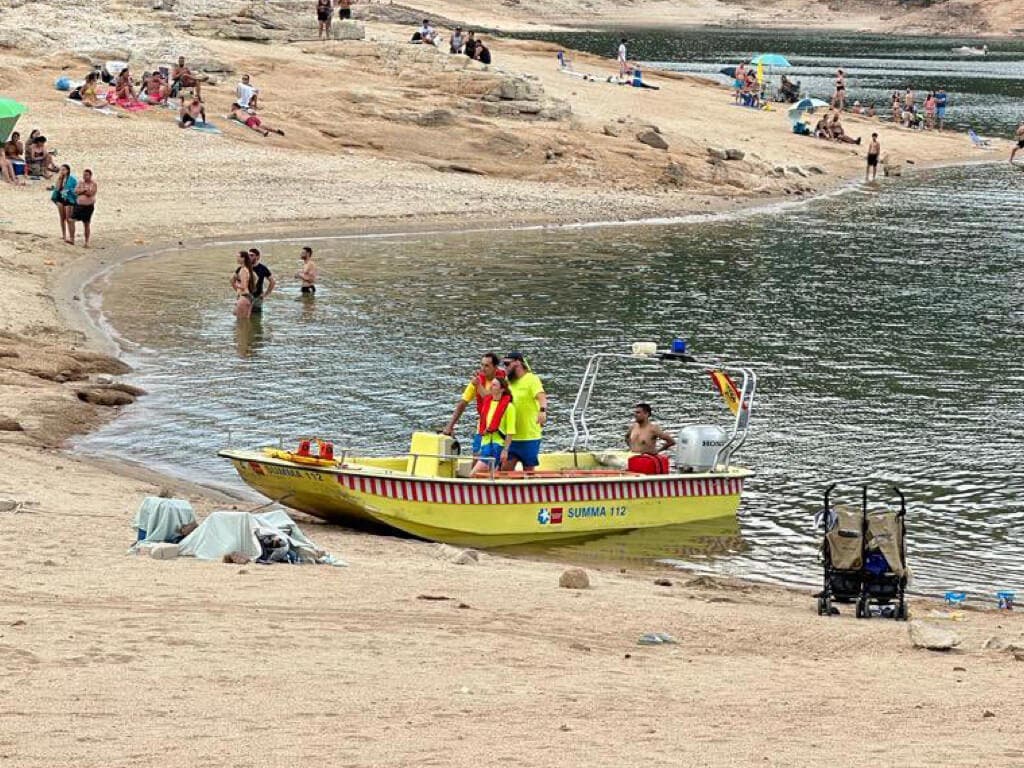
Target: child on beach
[(874, 150)]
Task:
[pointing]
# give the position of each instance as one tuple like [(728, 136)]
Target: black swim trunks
[(187, 120), (82, 213), (344, 13), (323, 15), (1020, 144), (872, 160), (310, 289)]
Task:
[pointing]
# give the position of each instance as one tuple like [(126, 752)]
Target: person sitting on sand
[(39, 159), (123, 89), (496, 427), (425, 34), (182, 77), (246, 96), (13, 158), (308, 273), (821, 130), (87, 92), (191, 113), (642, 438), (840, 135), (871, 111), (482, 53), (243, 282), (252, 121), (155, 89)]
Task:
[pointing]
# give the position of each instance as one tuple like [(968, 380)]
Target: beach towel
[(159, 520), (206, 127), (126, 104), (101, 110)]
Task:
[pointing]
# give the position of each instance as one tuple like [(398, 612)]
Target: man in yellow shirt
[(477, 389), (531, 413)]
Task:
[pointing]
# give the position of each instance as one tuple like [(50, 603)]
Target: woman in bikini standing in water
[(244, 283)]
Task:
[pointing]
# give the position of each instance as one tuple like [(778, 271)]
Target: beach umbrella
[(10, 111), (804, 105), (771, 60)]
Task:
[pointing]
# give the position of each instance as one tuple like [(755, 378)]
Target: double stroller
[(865, 557)]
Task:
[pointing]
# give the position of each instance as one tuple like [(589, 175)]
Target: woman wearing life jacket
[(497, 426)]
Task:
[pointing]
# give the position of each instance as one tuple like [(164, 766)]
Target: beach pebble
[(735, 154), (574, 578), (797, 170), (8, 505), (456, 555), (612, 130), (652, 139), (933, 638), (718, 154), (163, 551)]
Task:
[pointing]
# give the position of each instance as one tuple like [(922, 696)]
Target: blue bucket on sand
[(62, 83)]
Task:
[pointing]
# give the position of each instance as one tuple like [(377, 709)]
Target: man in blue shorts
[(531, 413), (941, 99), (477, 389)]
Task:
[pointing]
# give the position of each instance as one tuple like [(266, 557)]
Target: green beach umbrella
[(10, 111)]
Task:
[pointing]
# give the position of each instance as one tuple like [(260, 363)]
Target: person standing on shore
[(308, 273), (323, 19), (623, 60), (477, 389), (839, 97), (531, 401), (874, 150), (941, 99), (63, 196), (345, 10), (263, 277), (1020, 141), (84, 206)]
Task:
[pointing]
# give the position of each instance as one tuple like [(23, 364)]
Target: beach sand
[(113, 660)]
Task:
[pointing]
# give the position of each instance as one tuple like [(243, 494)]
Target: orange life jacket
[(481, 381), (482, 428)]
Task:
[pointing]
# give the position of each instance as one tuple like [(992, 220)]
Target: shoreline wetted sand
[(111, 660)]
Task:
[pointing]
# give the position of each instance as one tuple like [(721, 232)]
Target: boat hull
[(493, 513)]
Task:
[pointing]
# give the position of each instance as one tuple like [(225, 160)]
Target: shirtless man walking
[(1020, 141), (874, 150), (642, 437), (308, 273), (85, 204)]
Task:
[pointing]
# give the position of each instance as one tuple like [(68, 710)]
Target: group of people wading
[(512, 411)]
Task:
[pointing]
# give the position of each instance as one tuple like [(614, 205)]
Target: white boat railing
[(741, 422)]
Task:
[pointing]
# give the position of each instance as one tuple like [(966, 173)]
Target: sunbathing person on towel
[(124, 91), (252, 121), (191, 113), (155, 88)]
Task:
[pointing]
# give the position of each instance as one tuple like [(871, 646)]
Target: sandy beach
[(114, 660)]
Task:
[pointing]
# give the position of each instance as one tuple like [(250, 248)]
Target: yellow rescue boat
[(579, 492)]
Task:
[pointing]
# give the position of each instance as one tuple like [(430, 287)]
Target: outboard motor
[(697, 446)]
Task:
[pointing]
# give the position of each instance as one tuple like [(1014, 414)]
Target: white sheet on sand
[(225, 531), (161, 518), (105, 110)]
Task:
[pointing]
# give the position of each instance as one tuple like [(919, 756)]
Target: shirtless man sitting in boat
[(642, 437)]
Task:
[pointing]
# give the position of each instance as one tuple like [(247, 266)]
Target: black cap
[(515, 356)]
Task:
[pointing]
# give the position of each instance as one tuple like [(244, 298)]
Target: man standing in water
[(308, 273), (85, 204), (874, 150), (1020, 141), (477, 389), (263, 277), (531, 413), (642, 437), (941, 100)]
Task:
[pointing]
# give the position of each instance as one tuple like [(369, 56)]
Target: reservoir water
[(887, 325)]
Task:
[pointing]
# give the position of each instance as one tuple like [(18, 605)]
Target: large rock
[(735, 154), (718, 154), (105, 396), (574, 578), (10, 425), (519, 89), (611, 129), (676, 174), (933, 638), (652, 139), (456, 555)]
